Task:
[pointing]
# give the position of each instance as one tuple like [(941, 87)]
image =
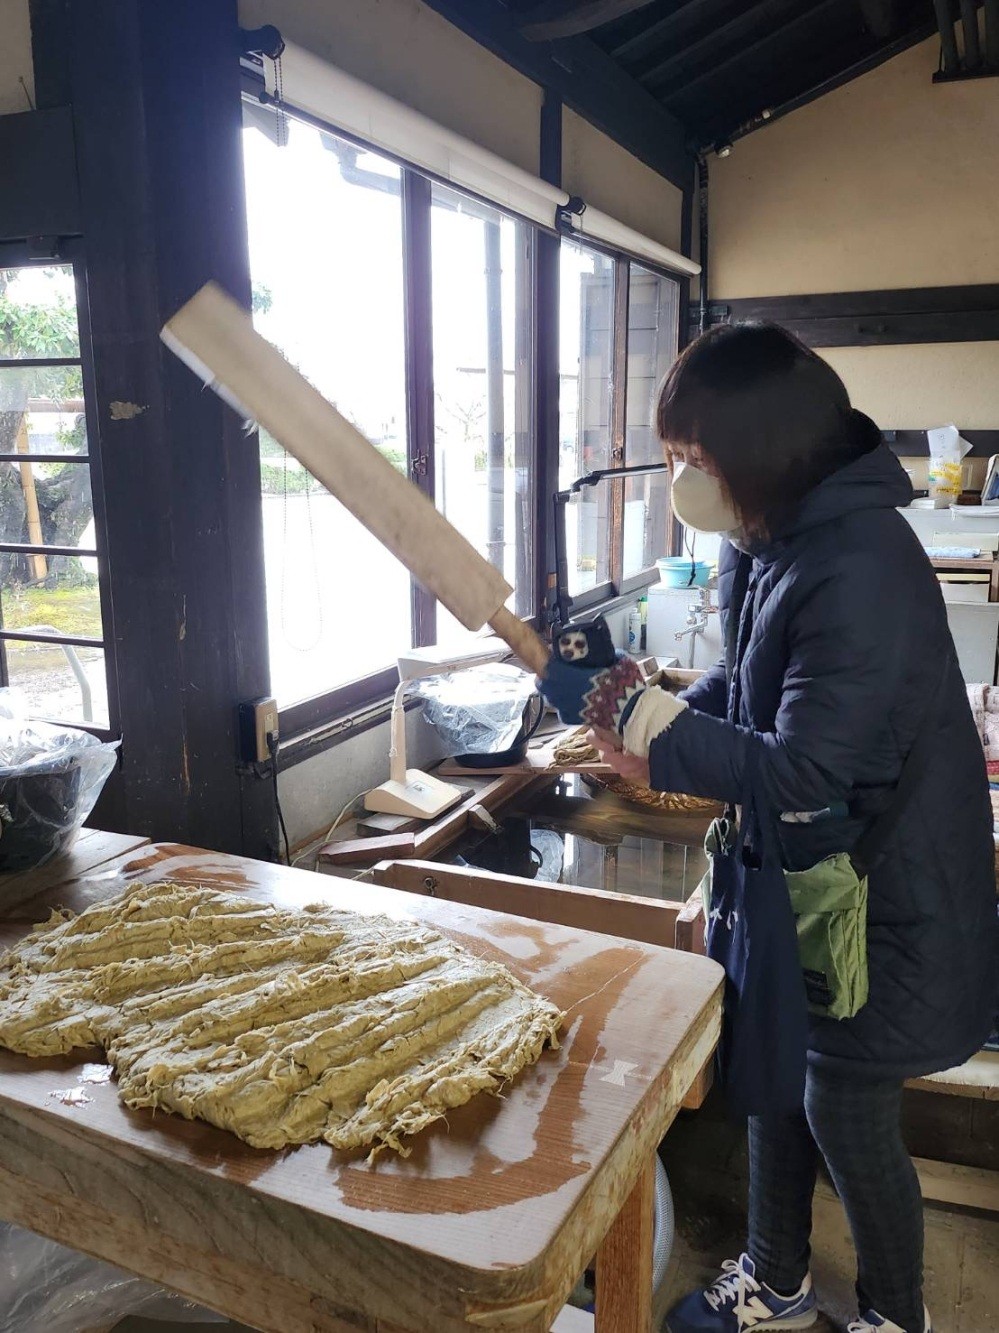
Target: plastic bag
[(478, 711), (947, 449), (50, 779), (47, 1286)]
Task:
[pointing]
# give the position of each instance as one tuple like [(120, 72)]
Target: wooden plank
[(491, 793), (648, 920), (362, 851), (864, 319), (690, 925), (486, 1225), (698, 1091), (92, 849), (977, 1077), (624, 1263), (492, 798), (966, 1186)]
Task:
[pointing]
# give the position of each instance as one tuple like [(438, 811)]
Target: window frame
[(71, 251), (335, 708), (620, 587)]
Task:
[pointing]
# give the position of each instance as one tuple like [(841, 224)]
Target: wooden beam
[(719, 37), (731, 126), (587, 80), (875, 318), (762, 47), (40, 195), (569, 18), (671, 30), (965, 1186), (156, 115), (647, 920), (624, 1263)]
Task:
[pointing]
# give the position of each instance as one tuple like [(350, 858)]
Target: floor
[(706, 1161)]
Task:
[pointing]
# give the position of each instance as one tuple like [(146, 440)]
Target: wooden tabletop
[(486, 1225), (91, 850)]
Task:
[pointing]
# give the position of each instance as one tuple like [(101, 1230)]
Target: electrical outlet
[(258, 720)]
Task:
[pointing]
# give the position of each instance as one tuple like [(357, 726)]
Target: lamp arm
[(397, 744)]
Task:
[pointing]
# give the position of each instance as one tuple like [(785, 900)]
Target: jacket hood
[(875, 480)]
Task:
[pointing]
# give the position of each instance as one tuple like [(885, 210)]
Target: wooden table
[(91, 850), (486, 1226)]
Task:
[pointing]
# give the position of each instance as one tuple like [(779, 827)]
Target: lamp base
[(420, 796)]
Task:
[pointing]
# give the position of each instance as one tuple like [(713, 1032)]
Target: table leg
[(624, 1263)]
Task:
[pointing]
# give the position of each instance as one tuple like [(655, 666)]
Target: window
[(618, 333), (52, 635), (481, 273), (408, 304), (653, 328), (586, 360), (339, 607), (325, 231)]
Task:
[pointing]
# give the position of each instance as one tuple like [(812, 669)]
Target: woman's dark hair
[(773, 417)]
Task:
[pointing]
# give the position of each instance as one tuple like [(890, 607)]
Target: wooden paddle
[(215, 337)]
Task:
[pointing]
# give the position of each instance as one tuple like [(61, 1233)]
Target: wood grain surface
[(486, 1225), (92, 849)]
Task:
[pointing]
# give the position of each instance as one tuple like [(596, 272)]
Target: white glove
[(652, 714)]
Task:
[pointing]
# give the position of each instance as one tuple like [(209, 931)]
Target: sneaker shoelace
[(735, 1284)]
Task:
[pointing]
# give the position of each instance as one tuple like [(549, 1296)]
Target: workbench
[(487, 1225)]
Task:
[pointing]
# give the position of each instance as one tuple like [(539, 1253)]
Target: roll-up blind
[(300, 80)]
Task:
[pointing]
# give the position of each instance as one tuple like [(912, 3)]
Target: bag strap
[(873, 840)]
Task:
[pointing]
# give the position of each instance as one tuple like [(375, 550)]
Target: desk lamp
[(408, 790)]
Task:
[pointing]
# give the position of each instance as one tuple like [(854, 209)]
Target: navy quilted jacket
[(838, 649)]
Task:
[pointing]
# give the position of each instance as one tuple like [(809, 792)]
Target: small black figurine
[(587, 643)]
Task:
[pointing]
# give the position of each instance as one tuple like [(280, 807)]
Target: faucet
[(697, 620)]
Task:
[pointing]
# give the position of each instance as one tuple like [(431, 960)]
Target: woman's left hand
[(631, 767)]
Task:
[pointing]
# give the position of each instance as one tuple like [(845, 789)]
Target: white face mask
[(699, 501)]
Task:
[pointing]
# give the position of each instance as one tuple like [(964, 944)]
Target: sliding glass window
[(52, 639), (409, 305), (483, 467), (326, 257)]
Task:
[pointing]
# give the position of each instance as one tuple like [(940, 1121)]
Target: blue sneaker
[(872, 1322), (737, 1301)]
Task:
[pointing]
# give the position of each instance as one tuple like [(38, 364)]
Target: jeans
[(855, 1124)]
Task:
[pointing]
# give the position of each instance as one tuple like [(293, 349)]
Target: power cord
[(272, 745)]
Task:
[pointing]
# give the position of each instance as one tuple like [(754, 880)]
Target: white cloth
[(655, 711)]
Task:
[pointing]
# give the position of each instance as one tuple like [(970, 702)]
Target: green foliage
[(278, 479), (74, 610), (44, 329), (48, 329), (261, 298)]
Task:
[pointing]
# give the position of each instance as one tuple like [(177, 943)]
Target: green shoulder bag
[(829, 900)]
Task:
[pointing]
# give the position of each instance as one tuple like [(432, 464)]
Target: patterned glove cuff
[(613, 690)]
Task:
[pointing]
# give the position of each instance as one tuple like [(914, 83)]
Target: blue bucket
[(679, 571)]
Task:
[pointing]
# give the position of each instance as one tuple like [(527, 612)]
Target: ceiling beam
[(776, 37), (727, 128), (587, 80), (669, 30), (569, 18), (754, 19)]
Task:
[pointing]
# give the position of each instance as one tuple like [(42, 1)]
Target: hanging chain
[(282, 119)]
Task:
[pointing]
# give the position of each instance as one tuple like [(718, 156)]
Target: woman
[(838, 656)]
